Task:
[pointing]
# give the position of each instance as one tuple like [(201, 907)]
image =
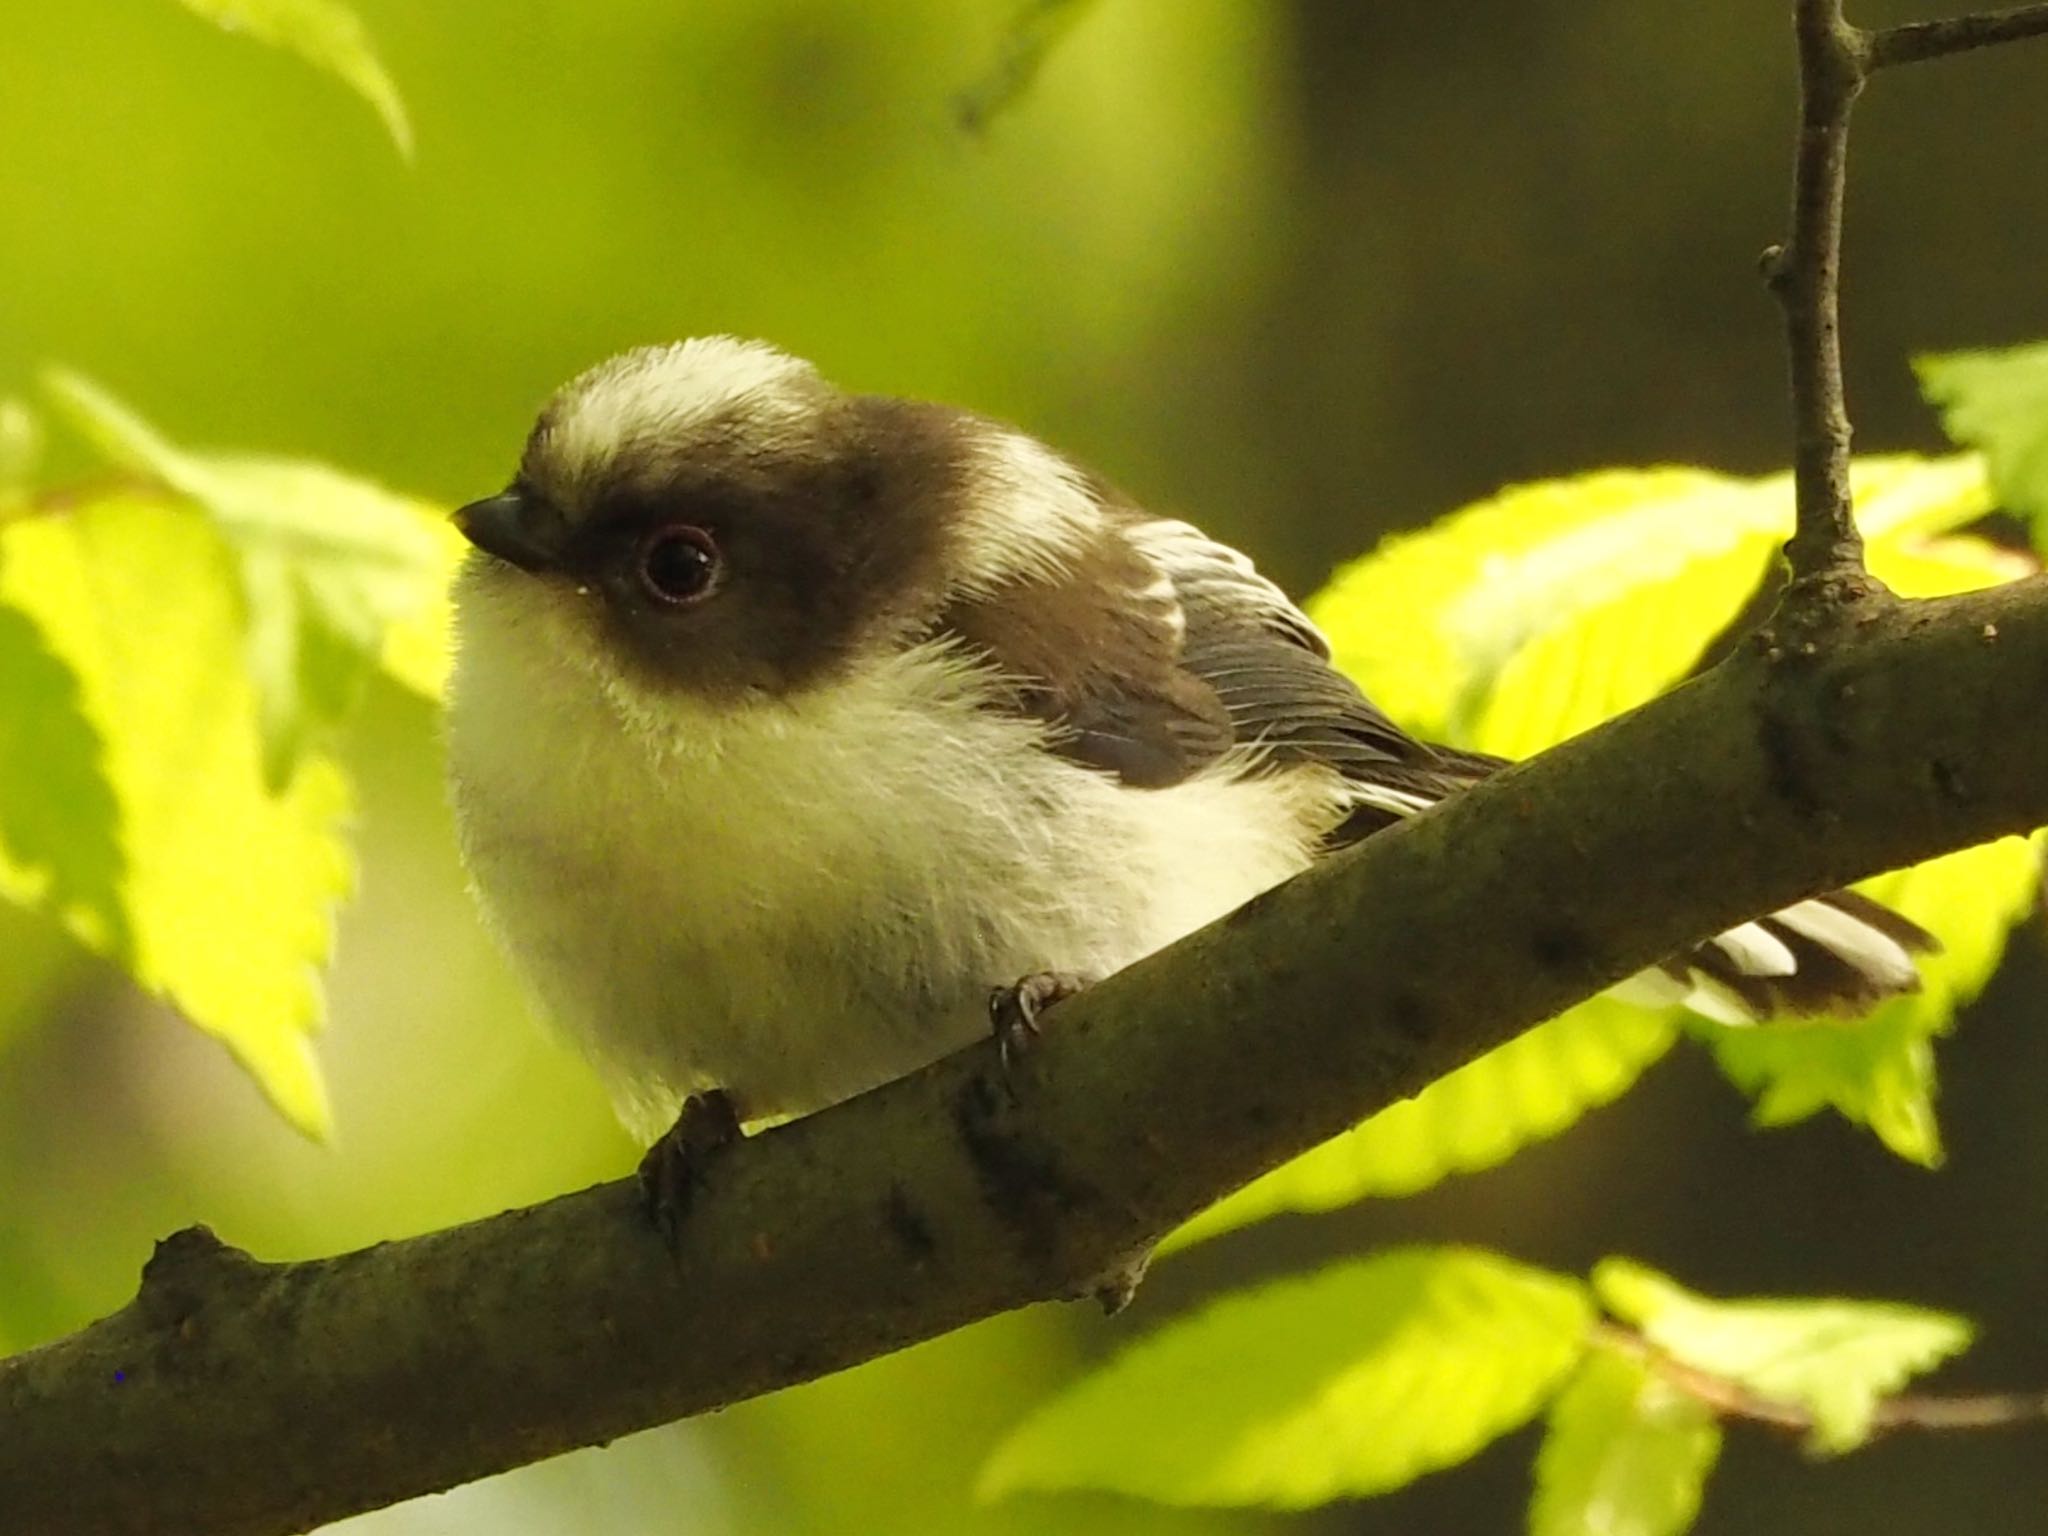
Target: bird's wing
[(1162, 649), (1269, 666), (1095, 651)]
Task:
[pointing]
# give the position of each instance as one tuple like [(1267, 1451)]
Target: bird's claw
[(674, 1166), (1014, 1011)]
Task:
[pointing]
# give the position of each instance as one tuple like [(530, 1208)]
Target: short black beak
[(516, 528)]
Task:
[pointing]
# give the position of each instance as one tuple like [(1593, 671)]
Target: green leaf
[(1522, 619), (1351, 1381), (1626, 1454), (1879, 1070), (222, 894), (1410, 622), (1998, 401), (338, 576), (1530, 1088), (60, 847), (327, 35), (1835, 1359), (1944, 566)]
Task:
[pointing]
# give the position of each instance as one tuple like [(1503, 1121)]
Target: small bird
[(789, 725)]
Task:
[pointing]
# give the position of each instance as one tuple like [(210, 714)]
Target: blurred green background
[(1303, 272)]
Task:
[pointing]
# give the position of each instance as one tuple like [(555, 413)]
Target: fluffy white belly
[(799, 899)]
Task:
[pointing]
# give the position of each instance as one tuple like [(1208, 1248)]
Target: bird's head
[(713, 518)]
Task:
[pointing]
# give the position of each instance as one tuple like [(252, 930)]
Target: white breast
[(798, 899)]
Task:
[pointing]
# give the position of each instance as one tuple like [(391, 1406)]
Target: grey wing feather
[(1269, 666)]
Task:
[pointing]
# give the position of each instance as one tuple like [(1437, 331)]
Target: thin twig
[(1029, 42), (1836, 58), (1922, 40), (1805, 274), (1730, 1399)]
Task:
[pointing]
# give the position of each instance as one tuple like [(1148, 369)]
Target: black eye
[(679, 564)]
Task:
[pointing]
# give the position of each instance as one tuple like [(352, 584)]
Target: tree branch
[(1919, 41), (241, 1398)]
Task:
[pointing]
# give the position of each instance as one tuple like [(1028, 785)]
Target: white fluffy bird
[(788, 723)]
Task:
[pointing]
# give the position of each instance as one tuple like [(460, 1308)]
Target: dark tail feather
[(1840, 954)]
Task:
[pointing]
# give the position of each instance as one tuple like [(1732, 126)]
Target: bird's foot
[(674, 1166), (1014, 1011)]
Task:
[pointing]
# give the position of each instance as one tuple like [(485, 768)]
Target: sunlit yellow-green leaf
[(219, 891), (1530, 1088), (1625, 1454), (1351, 1381), (327, 35), (1879, 1070), (1617, 580), (1620, 652), (1997, 401), (1429, 617), (1944, 566), (1835, 1359), (60, 842), (338, 575)]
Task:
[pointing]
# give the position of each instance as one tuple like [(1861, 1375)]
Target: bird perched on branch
[(789, 724)]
